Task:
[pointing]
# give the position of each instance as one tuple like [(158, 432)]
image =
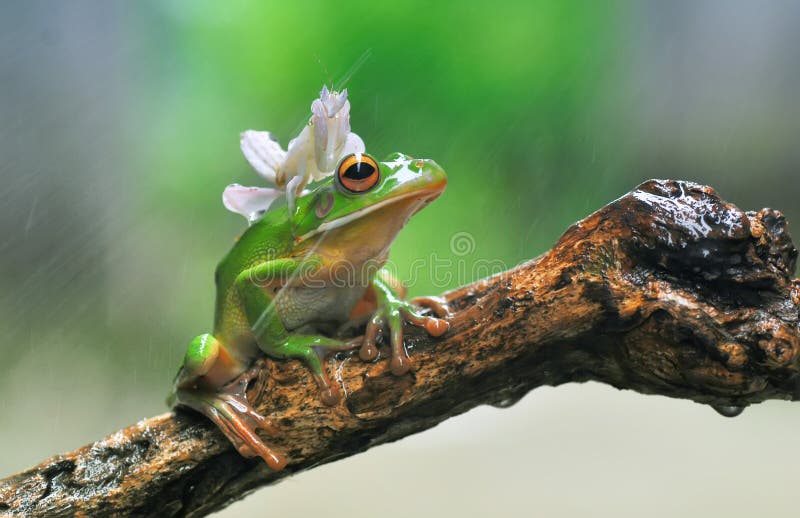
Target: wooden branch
[(668, 290)]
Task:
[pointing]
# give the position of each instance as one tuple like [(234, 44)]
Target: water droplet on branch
[(728, 410)]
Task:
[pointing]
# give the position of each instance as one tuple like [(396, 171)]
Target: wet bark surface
[(668, 290)]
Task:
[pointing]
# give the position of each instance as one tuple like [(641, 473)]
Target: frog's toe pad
[(399, 365), (368, 352), (436, 326), (330, 396)]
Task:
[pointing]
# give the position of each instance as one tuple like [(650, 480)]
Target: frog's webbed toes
[(386, 318), (234, 416), (249, 414), (392, 317)]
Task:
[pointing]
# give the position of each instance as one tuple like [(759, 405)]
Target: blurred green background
[(119, 127)]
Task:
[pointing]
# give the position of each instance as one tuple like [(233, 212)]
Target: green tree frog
[(298, 271)]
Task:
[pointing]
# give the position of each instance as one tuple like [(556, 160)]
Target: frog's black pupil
[(359, 171)]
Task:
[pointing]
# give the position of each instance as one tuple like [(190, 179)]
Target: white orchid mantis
[(312, 155)]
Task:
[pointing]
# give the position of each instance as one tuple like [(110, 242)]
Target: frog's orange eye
[(358, 173)]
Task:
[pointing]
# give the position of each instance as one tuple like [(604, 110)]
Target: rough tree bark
[(668, 290)]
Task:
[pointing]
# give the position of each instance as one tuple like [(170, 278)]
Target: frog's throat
[(427, 195)]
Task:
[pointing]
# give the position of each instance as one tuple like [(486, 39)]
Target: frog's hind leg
[(202, 384)]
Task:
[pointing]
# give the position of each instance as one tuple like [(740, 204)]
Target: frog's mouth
[(423, 198)]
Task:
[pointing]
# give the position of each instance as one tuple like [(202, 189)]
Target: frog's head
[(364, 204)]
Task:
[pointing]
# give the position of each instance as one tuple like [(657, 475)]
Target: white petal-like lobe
[(263, 153), (250, 202)]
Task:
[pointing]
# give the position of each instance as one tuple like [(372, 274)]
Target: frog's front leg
[(390, 312), (255, 286), (311, 349)]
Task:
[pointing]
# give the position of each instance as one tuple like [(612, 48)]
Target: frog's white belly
[(297, 307)]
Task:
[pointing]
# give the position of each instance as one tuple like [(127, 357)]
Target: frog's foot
[(312, 349), (229, 409), (329, 392), (391, 315)]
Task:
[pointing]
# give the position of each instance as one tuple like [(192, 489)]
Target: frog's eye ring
[(358, 173)]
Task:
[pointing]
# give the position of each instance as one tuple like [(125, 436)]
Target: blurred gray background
[(119, 129)]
